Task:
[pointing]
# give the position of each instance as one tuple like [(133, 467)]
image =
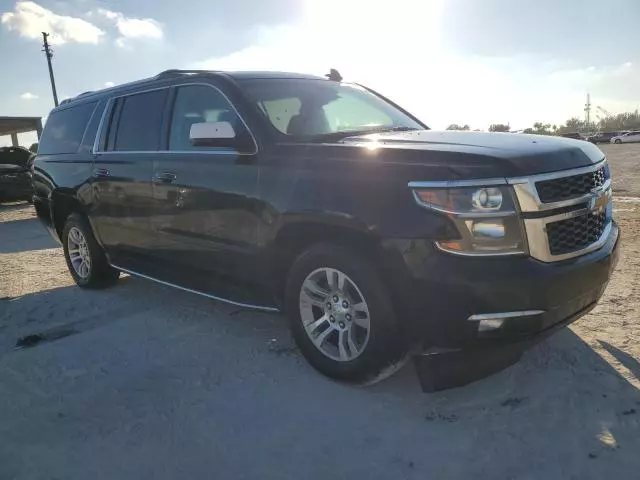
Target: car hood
[(481, 154)]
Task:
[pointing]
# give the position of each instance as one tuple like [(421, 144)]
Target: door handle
[(101, 172), (165, 177)]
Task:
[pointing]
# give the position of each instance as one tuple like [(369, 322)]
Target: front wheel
[(86, 260), (341, 316), (618, 141)]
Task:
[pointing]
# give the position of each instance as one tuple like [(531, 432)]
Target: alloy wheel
[(79, 254), (335, 314)]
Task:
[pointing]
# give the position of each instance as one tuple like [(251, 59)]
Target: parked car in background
[(15, 173), (603, 137), (629, 137), (574, 135), (327, 201)]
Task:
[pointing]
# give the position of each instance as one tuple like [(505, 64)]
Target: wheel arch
[(63, 204), (295, 237)]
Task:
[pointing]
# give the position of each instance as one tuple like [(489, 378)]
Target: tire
[(617, 141), (78, 237), (368, 354)]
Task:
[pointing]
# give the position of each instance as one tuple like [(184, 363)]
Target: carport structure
[(15, 125)]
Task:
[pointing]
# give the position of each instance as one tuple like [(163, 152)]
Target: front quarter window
[(309, 108)]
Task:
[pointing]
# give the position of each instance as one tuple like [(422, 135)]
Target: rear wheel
[(341, 316), (86, 260)]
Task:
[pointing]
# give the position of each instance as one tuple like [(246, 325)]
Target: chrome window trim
[(154, 152), (112, 100), (96, 141), (86, 128)]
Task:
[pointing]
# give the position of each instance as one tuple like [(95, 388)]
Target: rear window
[(64, 129)]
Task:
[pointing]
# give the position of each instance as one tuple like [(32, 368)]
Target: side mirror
[(212, 134)]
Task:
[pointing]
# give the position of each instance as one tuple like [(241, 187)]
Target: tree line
[(608, 123)]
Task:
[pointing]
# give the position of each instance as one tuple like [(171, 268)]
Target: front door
[(123, 168), (206, 210)]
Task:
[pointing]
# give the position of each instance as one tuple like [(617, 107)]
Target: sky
[(473, 62)]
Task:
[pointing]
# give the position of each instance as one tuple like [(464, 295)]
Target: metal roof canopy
[(15, 125)]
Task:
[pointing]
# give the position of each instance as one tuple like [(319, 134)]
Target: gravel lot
[(142, 381)]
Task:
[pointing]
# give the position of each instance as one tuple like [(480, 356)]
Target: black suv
[(325, 200)]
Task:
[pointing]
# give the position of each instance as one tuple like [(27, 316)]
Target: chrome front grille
[(574, 234), (565, 214), (564, 188)]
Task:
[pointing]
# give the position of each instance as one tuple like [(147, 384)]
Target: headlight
[(486, 218)]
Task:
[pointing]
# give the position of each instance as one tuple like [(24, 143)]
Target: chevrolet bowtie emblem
[(600, 200)]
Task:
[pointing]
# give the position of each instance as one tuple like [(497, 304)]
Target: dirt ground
[(142, 381)]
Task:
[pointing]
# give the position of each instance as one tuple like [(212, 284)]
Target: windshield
[(317, 108)]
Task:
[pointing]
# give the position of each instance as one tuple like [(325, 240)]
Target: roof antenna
[(334, 75)]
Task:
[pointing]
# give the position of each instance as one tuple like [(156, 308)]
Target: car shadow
[(629, 362), (23, 235)]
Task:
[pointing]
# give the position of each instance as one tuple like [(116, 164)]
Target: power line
[(49, 54)]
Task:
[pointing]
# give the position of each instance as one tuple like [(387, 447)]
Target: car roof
[(172, 74), (268, 75)]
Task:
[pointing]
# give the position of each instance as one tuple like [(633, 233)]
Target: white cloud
[(30, 20), (28, 96), (109, 84), (401, 52), (132, 28)]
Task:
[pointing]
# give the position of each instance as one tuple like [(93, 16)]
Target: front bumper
[(441, 292), (444, 291)]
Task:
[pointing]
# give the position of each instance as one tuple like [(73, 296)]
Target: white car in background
[(629, 137)]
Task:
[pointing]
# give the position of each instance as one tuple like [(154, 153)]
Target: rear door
[(123, 166), (206, 209)]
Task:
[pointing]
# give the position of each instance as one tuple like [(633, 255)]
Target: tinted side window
[(64, 129), (86, 145), (200, 103), (139, 123)]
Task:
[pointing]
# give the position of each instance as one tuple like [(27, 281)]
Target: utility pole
[(49, 54), (587, 111)]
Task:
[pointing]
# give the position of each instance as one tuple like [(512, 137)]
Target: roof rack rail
[(165, 74), (175, 71)]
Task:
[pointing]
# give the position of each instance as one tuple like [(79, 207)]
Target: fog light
[(488, 229), (490, 324), (492, 321), (487, 199)]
